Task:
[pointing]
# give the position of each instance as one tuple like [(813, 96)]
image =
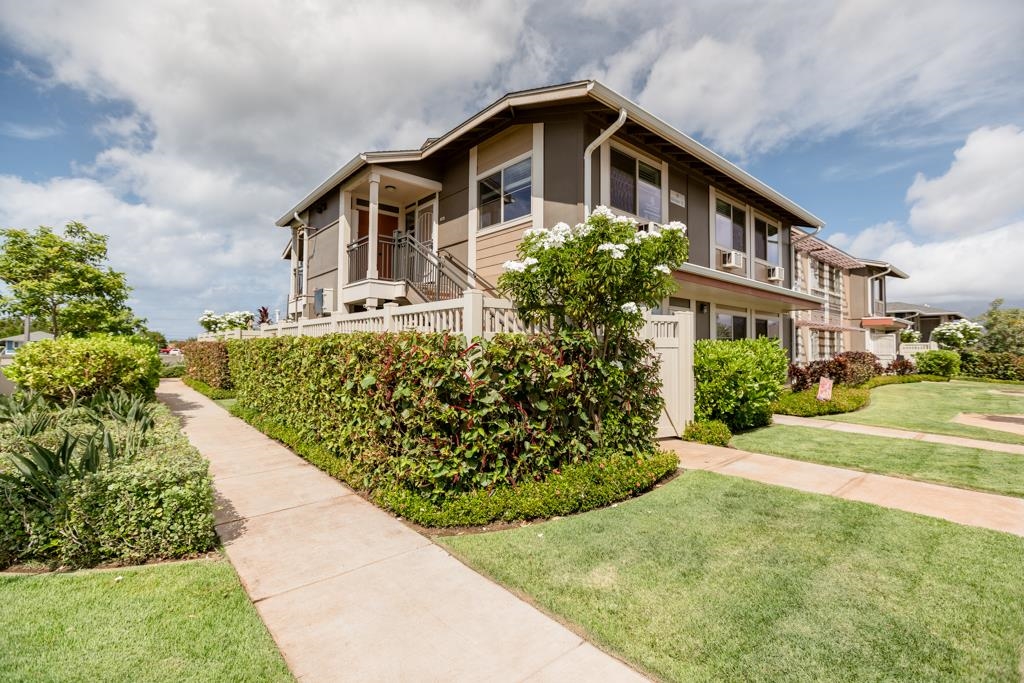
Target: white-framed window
[(730, 323), (636, 186), (504, 193), (730, 225), (767, 326), (767, 241)]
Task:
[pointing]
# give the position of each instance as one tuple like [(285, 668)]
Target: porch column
[(371, 261), (343, 239)]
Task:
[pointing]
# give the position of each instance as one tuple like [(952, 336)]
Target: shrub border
[(575, 488)]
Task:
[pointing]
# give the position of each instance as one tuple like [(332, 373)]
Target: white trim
[(305, 252), (500, 168), (606, 178), (473, 216), (775, 223), (507, 225), (344, 236), (537, 176), (374, 228)]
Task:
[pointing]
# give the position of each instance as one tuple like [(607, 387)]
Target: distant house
[(924, 318), (9, 345)]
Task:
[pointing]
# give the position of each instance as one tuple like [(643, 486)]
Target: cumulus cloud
[(983, 188)]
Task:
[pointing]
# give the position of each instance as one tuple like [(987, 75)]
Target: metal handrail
[(481, 282)]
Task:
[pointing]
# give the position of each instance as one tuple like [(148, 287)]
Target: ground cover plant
[(717, 578), (931, 407), (184, 621), (108, 480), (969, 468)]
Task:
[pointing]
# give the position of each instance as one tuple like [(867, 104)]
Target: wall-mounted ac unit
[(776, 273), (323, 302), (736, 260)]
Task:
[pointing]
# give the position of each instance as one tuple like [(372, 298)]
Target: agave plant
[(29, 414), (43, 470)]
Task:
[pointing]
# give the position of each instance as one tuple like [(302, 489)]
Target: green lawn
[(226, 403), (188, 621), (714, 578), (929, 407), (970, 468)]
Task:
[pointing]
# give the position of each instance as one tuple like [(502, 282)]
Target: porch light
[(390, 188)]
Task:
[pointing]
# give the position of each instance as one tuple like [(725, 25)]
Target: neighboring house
[(426, 224), (923, 317), (854, 317), (9, 345)]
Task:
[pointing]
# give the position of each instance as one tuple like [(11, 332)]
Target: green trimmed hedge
[(423, 412), (155, 505), (806, 404), (711, 432), (208, 362), (208, 391), (169, 370), (737, 381), (68, 368), (992, 365), (577, 487), (942, 362)]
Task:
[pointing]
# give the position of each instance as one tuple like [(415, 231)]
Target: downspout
[(589, 152), (885, 295), (304, 227)]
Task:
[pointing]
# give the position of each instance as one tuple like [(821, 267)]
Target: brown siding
[(453, 206), (677, 183), (702, 318), (493, 249), (697, 227), (506, 145), (323, 252), (325, 210), (858, 296), (563, 170)]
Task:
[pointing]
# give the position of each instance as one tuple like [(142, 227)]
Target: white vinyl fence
[(476, 315), (909, 350)]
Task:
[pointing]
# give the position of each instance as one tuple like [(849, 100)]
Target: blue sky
[(184, 129)]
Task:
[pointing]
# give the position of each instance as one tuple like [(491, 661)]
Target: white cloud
[(24, 131), (983, 188), (870, 242)]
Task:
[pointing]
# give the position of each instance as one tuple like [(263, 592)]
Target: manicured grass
[(970, 468), (714, 578), (189, 621), (929, 407)]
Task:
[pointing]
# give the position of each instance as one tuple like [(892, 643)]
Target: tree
[(63, 280), (1004, 329)]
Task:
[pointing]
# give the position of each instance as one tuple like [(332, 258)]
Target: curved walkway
[(988, 510), (871, 430), (350, 593)]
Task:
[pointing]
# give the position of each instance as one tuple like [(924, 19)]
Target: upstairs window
[(766, 241), (730, 226), (635, 187), (504, 195)]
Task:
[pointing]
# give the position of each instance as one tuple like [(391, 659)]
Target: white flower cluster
[(957, 333), (617, 250), (630, 307), (235, 320), (520, 266), (674, 226), (663, 269)]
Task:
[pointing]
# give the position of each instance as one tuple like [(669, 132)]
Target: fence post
[(473, 314), (687, 332), (390, 324)]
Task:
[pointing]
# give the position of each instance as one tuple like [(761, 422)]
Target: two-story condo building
[(425, 224), (854, 317)]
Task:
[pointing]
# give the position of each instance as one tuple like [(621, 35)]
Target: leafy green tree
[(10, 327), (62, 279), (1004, 329)]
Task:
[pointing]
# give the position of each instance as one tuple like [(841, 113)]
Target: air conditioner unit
[(734, 260), (323, 302), (776, 273)]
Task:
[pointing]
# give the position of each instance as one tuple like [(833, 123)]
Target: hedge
[(174, 370), (943, 363), (806, 404), (155, 505), (68, 368), (208, 363), (992, 365), (208, 391), (423, 412), (851, 368), (711, 432), (736, 381), (577, 487)]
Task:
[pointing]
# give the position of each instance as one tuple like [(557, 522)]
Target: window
[(730, 226), (505, 194), (731, 326), (766, 241), (767, 327), (635, 187)]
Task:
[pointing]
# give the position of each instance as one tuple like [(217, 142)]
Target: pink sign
[(824, 389)]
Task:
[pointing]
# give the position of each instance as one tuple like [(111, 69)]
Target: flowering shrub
[(598, 276), (236, 320), (957, 334), (909, 336)]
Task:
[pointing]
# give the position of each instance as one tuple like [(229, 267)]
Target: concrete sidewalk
[(351, 594), (889, 432), (991, 511)]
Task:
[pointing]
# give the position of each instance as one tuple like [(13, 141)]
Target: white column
[(371, 261), (293, 284), (304, 230), (343, 238), (474, 217), (606, 176), (473, 314)]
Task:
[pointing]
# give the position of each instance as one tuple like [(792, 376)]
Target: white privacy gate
[(475, 315)]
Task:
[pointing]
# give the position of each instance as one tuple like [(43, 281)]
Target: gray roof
[(919, 309), (34, 336)]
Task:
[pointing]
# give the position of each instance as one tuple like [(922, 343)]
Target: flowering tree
[(957, 334), (236, 320), (909, 336), (598, 276)]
